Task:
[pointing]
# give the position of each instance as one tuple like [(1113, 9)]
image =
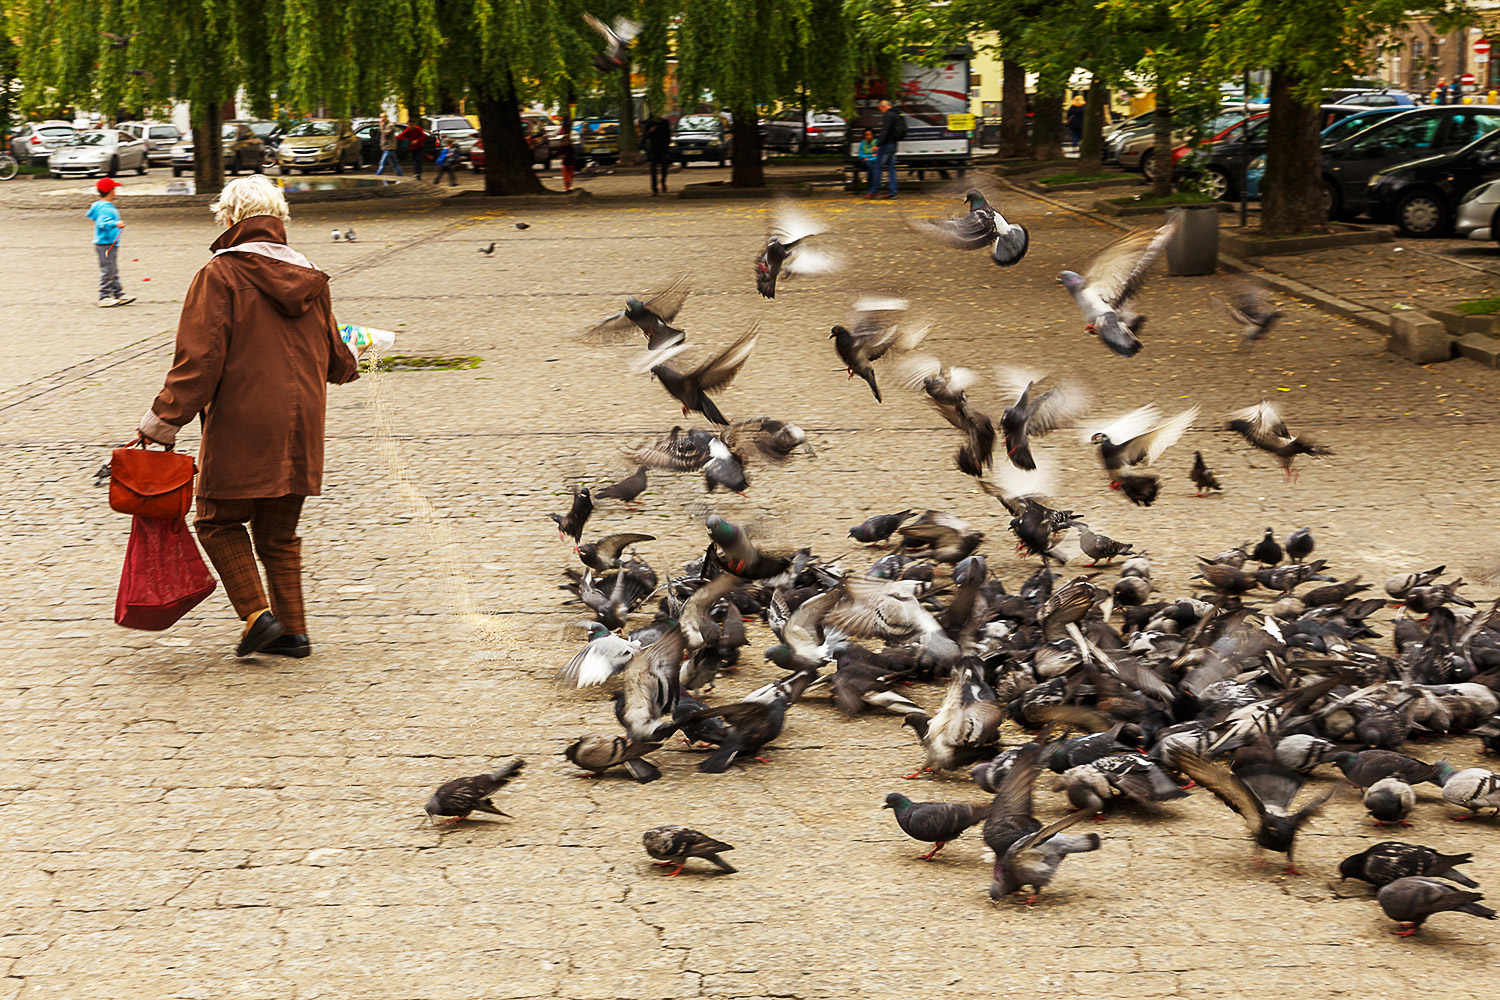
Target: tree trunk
[(1292, 190), (1047, 127), (413, 105), (802, 137), (1092, 146), (1013, 138), (744, 147), (1161, 149), (507, 160), (208, 155), (630, 147)]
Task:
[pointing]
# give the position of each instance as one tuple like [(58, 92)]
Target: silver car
[(159, 139), (824, 131), (455, 127), (33, 142), (1479, 213), (99, 151)]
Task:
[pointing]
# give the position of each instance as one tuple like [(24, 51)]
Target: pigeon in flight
[(1250, 307), (787, 253), (604, 554), (1203, 477), (1135, 441), (652, 317), (878, 328), (983, 226), (1263, 427), (692, 388), (577, 516), (692, 450), (1261, 794), (1036, 413), (119, 41), (617, 39), (605, 655), (1113, 278)]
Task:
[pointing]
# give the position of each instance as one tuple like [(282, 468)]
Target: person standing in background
[(107, 226), (888, 143), (389, 133), (569, 161), (1075, 119), (415, 138), (657, 135)]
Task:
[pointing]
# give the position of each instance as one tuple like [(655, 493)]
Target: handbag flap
[(150, 473)]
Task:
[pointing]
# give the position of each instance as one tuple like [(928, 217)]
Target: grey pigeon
[(967, 725), (627, 489), (487, 250), (1036, 413), (877, 328), (1391, 859), (650, 689), (1112, 279), (1133, 442), (1410, 901), (1302, 753), (597, 753), (604, 554), (787, 252), (1262, 794), (1300, 544), (694, 450), (1369, 766), (1473, 788), (934, 823), (1400, 584), (455, 800), (693, 388), (1034, 858), (617, 38), (1263, 428), (652, 317), (1390, 800), (605, 655), (1250, 307), (673, 845), (984, 226), (880, 527)]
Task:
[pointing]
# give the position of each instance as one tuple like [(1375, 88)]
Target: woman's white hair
[(244, 197)]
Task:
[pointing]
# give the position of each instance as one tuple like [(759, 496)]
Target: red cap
[(106, 185)]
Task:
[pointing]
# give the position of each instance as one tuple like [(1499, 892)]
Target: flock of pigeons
[(1244, 688)]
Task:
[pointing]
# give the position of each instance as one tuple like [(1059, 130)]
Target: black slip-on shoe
[(286, 644), (261, 634)]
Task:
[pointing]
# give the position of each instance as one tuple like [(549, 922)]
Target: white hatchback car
[(99, 151), (1479, 213)]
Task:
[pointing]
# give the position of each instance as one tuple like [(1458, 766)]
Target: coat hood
[(256, 249)]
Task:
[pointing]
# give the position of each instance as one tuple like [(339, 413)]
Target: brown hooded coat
[(256, 345)]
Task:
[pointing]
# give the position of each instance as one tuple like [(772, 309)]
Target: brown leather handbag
[(150, 483)]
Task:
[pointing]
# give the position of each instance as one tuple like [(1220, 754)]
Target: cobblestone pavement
[(182, 824)]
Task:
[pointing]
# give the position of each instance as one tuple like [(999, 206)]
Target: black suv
[(1422, 197)]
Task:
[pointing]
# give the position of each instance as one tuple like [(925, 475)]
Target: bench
[(854, 172)]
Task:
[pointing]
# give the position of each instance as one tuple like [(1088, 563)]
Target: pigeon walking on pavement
[(1410, 901), (455, 800), (1203, 477), (674, 845), (1113, 278), (1391, 859), (934, 823)]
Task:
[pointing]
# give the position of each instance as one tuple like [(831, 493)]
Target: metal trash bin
[(1194, 248)]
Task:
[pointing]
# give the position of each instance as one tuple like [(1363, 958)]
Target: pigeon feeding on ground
[(1113, 278), (966, 727), (455, 800), (1410, 901), (1473, 788), (877, 328), (523, 226), (984, 226), (487, 250), (674, 845), (879, 528), (617, 38), (626, 490), (1390, 800), (787, 252), (597, 753), (692, 388), (1391, 860), (1264, 429), (934, 823), (1300, 544), (1135, 441), (651, 317)]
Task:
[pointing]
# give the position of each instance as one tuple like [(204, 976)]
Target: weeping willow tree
[(740, 54)]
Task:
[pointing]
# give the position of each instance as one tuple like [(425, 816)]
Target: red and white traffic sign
[(1482, 47), (1467, 79)]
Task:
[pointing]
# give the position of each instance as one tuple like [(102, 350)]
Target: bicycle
[(8, 167)]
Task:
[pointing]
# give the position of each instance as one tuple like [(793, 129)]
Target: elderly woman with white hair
[(256, 345)]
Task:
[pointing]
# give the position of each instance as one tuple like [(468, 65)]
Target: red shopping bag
[(164, 577)]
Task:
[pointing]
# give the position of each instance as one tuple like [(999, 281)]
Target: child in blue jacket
[(107, 226)]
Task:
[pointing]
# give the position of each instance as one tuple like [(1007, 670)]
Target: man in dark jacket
[(256, 346), (657, 133), (887, 142)]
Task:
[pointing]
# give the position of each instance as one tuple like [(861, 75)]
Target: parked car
[(158, 137), (1115, 136), (239, 146), (1479, 213), (1227, 154), (551, 128), (597, 139), (1402, 138), (696, 138), (1422, 197), (537, 141), (1137, 150), (104, 151), (367, 131), (1370, 98), (1362, 118), (318, 144), (455, 127), (34, 141), (824, 129)]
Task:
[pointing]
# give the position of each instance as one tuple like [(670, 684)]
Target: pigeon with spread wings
[(946, 389), (984, 226), (1251, 307), (787, 253), (651, 317), (1036, 413), (692, 388), (1135, 441), (1261, 794), (692, 450), (617, 38), (879, 327), (1263, 427), (1114, 277)]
